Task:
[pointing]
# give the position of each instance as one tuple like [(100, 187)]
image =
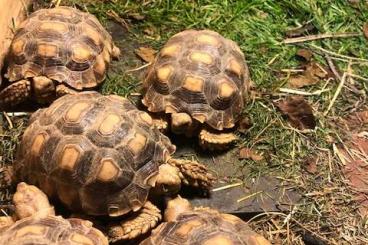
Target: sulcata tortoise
[(101, 156), (185, 225), (38, 223), (55, 52), (198, 79)]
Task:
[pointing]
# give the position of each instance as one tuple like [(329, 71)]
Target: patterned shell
[(63, 44), (205, 227), (200, 73), (52, 230), (97, 153)]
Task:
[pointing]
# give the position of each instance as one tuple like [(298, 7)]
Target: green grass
[(259, 27)]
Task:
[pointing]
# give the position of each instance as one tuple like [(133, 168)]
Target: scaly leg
[(15, 93), (216, 141), (145, 220), (193, 173), (64, 90)]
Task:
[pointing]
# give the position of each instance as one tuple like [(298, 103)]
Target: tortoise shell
[(63, 44), (52, 230), (200, 73), (97, 154), (205, 227)]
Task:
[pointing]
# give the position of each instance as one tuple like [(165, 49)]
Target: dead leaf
[(356, 170), (136, 16), (244, 124), (299, 81), (298, 111), (306, 54), (365, 30), (312, 74), (354, 122), (316, 70), (247, 153), (147, 54), (297, 32), (311, 164)]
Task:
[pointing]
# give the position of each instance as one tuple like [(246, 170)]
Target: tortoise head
[(175, 207)]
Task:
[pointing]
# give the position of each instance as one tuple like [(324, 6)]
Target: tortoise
[(55, 52), (101, 156), (198, 81), (38, 224), (185, 225)]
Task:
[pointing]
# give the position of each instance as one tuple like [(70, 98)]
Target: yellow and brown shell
[(63, 44), (52, 230), (96, 153), (205, 227), (200, 73)]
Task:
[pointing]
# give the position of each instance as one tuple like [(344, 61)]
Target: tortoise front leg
[(15, 93), (62, 90), (193, 173), (145, 220)]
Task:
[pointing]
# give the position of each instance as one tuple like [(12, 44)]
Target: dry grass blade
[(227, 187), (300, 92), (249, 196), (332, 67), (338, 90), (320, 36), (347, 58)]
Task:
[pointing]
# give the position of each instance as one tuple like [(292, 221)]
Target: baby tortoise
[(199, 79), (37, 223), (185, 225), (101, 156), (55, 52)]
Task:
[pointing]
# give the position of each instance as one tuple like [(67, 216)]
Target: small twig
[(332, 67), (338, 90), (249, 196), (300, 92), (336, 54), (8, 119), (320, 36), (118, 19), (227, 187)]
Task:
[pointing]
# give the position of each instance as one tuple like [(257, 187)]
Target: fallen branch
[(320, 36)]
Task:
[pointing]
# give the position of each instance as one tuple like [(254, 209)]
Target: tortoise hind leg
[(15, 93), (216, 141), (146, 219)]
